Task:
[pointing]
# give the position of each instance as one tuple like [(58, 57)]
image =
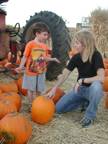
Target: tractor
[(13, 40)]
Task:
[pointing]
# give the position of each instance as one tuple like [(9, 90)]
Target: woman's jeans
[(74, 100)]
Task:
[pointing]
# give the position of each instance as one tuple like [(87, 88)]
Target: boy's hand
[(19, 70), (56, 60)]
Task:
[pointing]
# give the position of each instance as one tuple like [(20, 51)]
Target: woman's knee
[(96, 90), (96, 86)]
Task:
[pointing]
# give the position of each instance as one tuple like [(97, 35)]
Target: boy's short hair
[(40, 27)]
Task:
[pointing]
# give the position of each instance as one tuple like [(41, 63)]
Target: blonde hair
[(87, 40)]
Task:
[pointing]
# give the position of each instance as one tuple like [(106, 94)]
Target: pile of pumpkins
[(105, 85), (14, 127)]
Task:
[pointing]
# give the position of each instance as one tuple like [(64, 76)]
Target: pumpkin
[(72, 52), (106, 101), (106, 65), (15, 129), (6, 107), (105, 84), (0, 91), (58, 94), (12, 96), (106, 72), (3, 62), (19, 85), (42, 110), (7, 87)]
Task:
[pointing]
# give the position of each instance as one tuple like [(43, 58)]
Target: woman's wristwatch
[(81, 81)]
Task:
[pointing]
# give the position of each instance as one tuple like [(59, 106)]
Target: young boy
[(36, 57)]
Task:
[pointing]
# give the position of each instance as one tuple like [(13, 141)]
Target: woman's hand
[(77, 85), (51, 93)]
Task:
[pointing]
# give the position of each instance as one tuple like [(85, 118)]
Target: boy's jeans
[(73, 100)]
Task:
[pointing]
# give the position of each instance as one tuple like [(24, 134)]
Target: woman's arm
[(99, 76), (60, 81)]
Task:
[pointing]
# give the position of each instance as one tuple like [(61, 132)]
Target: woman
[(88, 87)]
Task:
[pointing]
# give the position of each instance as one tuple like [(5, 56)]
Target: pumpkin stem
[(6, 137)]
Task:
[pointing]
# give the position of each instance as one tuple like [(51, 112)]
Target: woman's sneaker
[(85, 122)]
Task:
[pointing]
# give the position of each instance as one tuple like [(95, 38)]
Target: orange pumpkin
[(7, 87), (19, 85), (58, 94), (15, 129), (6, 107), (106, 65), (105, 84), (3, 62), (105, 60), (42, 110), (0, 91), (72, 52), (12, 96), (106, 72), (106, 101)]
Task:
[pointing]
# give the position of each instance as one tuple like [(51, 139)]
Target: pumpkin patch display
[(15, 129), (42, 110), (12, 96)]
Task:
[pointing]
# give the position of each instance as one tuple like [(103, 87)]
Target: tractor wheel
[(60, 39)]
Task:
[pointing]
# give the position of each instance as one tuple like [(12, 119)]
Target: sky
[(71, 11)]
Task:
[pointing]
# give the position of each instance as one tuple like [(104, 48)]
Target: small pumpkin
[(105, 84), (3, 62), (7, 87), (6, 107), (106, 72), (15, 129), (42, 110), (12, 96)]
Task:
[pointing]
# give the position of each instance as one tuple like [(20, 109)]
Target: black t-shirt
[(86, 69)]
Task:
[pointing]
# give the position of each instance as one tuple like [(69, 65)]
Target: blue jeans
[(74, 100)]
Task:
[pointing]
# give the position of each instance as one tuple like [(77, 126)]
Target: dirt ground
[(65, 128)]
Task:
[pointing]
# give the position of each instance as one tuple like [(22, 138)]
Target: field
[(65, 128)]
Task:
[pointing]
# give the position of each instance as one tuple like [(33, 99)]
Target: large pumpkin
[(12, 96), (19, 85), (42, 110), (15, 129), (106, 101), (6, 107), (10, 86), (105, 84), (58, 94)]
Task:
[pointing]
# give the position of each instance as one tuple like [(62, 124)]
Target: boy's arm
[(21, 66), (52, 59), (23, 61)]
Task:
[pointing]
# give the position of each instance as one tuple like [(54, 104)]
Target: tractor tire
[(61, 41)]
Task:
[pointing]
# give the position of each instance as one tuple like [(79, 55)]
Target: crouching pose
[(88, 87)]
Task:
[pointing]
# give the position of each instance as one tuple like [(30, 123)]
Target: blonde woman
[(88, 87)]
